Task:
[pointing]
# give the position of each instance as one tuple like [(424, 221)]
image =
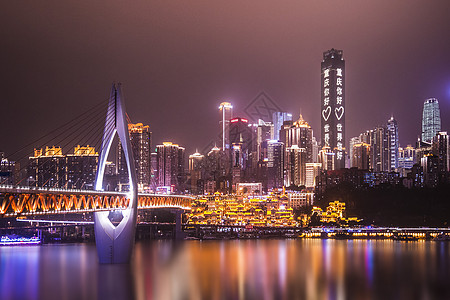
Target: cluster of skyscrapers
[(262, 155)]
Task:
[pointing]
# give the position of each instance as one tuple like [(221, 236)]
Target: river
[(232, 269)]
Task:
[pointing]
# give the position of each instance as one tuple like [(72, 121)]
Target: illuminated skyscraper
[(275, 164), (196, 172), (170, 165), (226, 112), (333, 104), (431, 119), (140, 137), (392, 128)]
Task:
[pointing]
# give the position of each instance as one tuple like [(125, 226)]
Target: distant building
[(312, 171), (9, 170), (379, 146), (392, 131), (361, 156), (406, 157), (326, 158), (170, 166), (196, 172), (440, 148), (226, 111), (431, 119), (333, 104), (278, 118), (275, 164), (295, 162)]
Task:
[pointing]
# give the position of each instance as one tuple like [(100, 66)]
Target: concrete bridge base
[(114, 243)]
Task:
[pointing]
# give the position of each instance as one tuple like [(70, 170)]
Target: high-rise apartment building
[(81, 168), (47, 168), (170, 165), (301, 135), (140, 137), (312, 171), (295, 166), (360, 156), (275, 164), (431, 119), (379, 159), (333, 104), (440, 148), (51, 168), (392, 128), (196, 172)]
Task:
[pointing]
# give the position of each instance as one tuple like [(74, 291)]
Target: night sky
[(177, 60)]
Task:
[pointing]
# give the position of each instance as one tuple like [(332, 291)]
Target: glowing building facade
[(431, 119), (333, 104)]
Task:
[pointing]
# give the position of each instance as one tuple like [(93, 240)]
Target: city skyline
[(162, 82)]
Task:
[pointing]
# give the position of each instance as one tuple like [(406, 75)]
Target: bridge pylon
[(115, 229)]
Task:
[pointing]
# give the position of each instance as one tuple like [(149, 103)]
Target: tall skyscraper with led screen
[(333, 104)]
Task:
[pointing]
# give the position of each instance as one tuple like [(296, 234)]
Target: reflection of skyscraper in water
[(431, 119), (333, 104), (226, 115)]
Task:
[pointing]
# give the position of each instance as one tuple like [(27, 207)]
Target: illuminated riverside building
[(47, 168), (52, 169), (140, 138), (170, 167), (300, 199), (333, 104), (81, 168), (431, 119), (220, 209)]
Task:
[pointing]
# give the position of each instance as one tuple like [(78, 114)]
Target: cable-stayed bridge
[(115, 213)]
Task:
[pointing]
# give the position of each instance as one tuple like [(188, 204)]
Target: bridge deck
[(17, 201)]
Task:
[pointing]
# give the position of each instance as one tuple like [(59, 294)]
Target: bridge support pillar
[(179, 234), (115, 243), (115, 230)]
